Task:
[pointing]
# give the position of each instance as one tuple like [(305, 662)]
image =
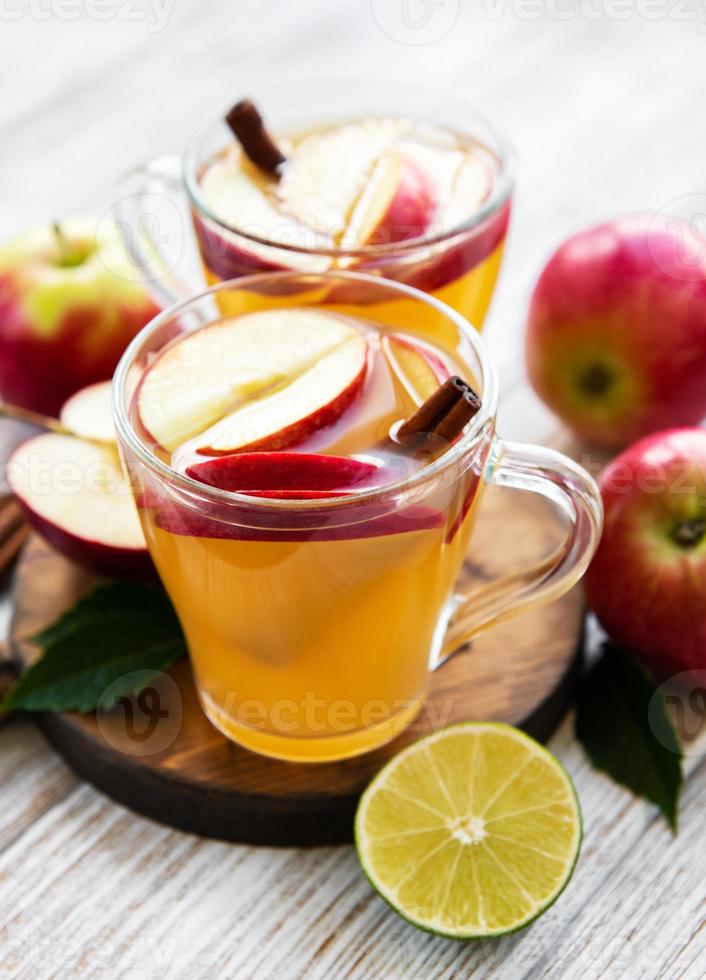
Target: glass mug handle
[(150, 213), (570, 488)]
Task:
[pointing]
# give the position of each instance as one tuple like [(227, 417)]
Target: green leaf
[(108, 635), (622, 722)]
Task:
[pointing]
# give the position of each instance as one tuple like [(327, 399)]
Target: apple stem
[(689, 533), (67, 256)]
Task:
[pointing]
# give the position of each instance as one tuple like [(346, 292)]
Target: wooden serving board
[(161, 757)]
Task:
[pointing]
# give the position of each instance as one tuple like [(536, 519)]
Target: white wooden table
[(606, 109)]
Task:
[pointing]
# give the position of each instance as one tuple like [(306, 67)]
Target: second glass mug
[(313, 627), (459, 266)]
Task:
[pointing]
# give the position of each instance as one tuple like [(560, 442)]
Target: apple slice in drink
[(328, 172), (75, 495), (450, 260), (431, 267), (353, 185), (287, 471), (235, 199), (202, 377), (396, 204), (309, 401), (250, 524), (471, 185), (418, 368), (89, 413)]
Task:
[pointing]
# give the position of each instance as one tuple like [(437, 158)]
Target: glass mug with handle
[(315, 620), (410, 185)]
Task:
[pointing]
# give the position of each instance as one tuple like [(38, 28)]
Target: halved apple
[(287, 472), (315, 398), (75, 495), (89, 413), (200, 378)]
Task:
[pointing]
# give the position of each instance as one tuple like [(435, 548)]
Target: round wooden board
[(175, 767)]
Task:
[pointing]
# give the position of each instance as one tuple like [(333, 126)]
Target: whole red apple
[(647, 581), (69, 305), (616, 335)]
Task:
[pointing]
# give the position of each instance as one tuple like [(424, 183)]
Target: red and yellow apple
[(616, 334), (69, 305), (647, 581)]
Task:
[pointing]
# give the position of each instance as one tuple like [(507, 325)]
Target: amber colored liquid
[(469, 294), (314, 650), (310, 651)]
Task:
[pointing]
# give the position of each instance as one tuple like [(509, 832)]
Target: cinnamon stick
[(443, 415), (248, 128), (12, 545)]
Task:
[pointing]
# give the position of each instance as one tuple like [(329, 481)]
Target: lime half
[(471, 832)]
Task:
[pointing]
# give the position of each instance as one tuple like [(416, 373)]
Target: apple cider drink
[(312, 591), (413, 201)]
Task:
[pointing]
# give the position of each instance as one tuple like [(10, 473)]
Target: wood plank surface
[(606, 110)]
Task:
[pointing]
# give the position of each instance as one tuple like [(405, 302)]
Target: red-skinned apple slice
[(287, 471), (237, 200), (344, 186), (76, 497), (397, 204), (419, 369), (327, 172), (314, 399), (373, 522), (295, 494), (89, 413), (471, 186), (202, 377)]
